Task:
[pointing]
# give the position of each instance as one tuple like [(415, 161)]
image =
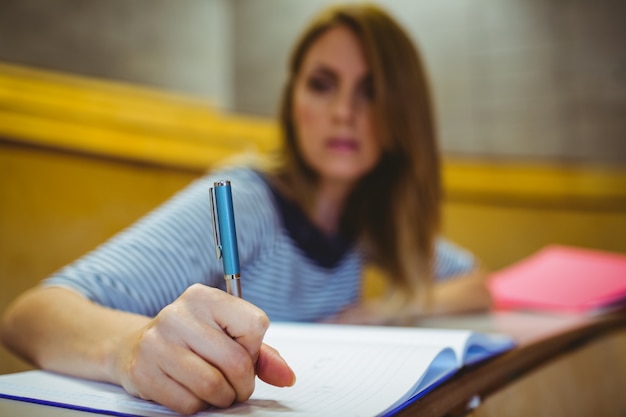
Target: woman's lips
[(343, 144)]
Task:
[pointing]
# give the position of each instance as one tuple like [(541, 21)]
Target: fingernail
[(293, 378)]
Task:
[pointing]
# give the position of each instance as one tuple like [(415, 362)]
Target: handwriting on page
[(327, 383)]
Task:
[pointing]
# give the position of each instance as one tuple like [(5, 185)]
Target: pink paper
[(561, 278)]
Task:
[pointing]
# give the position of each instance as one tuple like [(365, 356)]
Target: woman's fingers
[(223, 353), (241, 320), (152, 383), (200, 378), (202, 349), (273, 369), (225, 331)]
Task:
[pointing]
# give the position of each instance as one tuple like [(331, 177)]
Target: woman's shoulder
[(253, 199), (232, 173), (247, 183)]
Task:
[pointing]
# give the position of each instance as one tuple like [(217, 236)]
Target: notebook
[(562, 279), (340, 370)]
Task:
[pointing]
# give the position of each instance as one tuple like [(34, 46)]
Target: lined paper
[(340, 370)]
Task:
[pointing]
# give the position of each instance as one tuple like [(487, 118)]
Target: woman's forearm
[(204, 348), (60, 330)]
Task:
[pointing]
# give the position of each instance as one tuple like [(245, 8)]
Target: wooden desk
[(572, 352), (508, 384)]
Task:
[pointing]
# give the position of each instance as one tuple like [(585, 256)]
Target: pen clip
[(216, 232)]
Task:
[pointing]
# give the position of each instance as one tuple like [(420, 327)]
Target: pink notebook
[(561, 278)]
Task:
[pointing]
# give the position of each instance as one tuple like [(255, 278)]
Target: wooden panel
[(587, 382), (501, 234), (122, 121)]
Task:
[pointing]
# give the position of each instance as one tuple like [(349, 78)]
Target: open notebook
[(340, 370)]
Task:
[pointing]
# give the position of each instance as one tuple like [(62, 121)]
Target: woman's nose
[(343, 107)]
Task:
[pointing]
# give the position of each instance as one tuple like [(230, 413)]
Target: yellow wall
[(81, 159), (505, 211)]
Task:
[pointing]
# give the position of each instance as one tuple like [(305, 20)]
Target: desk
[(542, 342)]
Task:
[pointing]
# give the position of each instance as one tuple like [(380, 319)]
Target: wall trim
[(69, 113)]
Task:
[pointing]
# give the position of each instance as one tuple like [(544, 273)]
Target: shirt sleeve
[(150, 264), (451, 260)]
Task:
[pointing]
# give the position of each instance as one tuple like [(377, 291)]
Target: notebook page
[(414, 336), (333, 378), (63, 391), (341, 370), (343, 378)]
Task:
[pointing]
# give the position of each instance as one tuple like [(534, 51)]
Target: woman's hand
[(457, 295), (203, 349), (377, 312)]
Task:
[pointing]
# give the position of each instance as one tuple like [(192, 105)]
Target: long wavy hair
[(395, 209)]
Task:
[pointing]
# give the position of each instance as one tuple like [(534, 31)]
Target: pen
[(225, 234)]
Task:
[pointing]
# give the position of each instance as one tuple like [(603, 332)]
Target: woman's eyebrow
[(325, 70)]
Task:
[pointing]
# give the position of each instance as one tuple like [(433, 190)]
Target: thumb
[(272, 368)]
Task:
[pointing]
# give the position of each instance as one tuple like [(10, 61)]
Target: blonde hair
[(395, 209)]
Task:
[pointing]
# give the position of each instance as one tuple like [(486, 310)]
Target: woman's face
[(332, 100)]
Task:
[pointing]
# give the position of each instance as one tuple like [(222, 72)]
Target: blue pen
[(225, 234)]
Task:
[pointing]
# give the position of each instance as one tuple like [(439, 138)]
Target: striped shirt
[(288, 267)]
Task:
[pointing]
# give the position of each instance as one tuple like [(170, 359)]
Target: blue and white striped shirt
[(147, 266)]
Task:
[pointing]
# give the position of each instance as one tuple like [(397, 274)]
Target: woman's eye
[(320, 84), (365, 90)]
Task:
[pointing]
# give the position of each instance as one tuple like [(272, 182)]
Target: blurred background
[(513, 78), (109, 107)]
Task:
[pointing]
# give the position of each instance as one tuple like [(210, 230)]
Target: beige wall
[(522, 79), (179, 46)]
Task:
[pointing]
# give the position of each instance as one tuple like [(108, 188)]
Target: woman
[(357, 179)]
